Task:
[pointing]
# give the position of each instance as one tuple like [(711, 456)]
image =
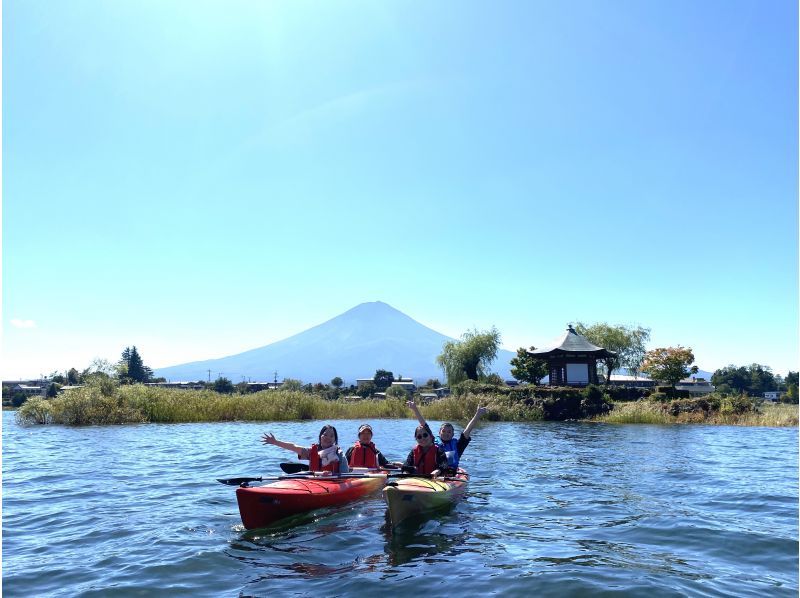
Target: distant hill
[(366, 338)]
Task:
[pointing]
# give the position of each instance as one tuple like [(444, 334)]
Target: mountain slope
[(352, 345)]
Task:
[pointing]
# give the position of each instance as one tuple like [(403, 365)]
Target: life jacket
[(450, 449), (426, 463), (364, 455), (315, 463)]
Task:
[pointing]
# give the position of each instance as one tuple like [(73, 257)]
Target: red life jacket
[(364, 455), (315, 463), (426, 463)]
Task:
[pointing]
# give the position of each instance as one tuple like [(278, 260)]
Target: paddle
[(294, 467), (300, 476), (238, 481)]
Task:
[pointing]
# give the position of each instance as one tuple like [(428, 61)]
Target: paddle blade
[(238, 481), (294, 467)]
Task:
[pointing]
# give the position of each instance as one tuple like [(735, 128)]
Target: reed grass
[(653, 412), (105, 402), (96, 404)]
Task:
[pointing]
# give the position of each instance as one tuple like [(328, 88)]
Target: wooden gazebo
[(572, 361)]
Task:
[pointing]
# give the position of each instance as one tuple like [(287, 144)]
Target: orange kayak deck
[(261, 506)]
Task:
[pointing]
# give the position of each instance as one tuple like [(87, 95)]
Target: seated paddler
[(324, 456), (364, 453), (446, 440), (426, 458)]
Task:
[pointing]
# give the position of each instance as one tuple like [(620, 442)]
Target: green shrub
[(694, 406), (594, 402), (36, 410), (737, 405), (625, 393)]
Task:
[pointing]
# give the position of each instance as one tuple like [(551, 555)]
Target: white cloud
[(17, 323)]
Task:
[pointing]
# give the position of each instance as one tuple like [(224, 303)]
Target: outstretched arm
[(413, 406), (269, 438), (478, 414)]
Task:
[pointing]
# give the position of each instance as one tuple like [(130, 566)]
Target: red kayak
[(261, 506)]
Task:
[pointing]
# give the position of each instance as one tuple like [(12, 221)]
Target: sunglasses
[(421, 436)]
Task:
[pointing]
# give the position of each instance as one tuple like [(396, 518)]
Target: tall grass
[(96, 404), (653, 412), (105, 402)]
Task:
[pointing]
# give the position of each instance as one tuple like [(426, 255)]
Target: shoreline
[(139, 404)]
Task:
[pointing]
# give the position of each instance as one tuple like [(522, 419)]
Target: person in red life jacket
[(426, 458), (364, 453), (324, 456), (452, 448)]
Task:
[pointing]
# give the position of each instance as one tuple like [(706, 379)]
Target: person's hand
[(411, 404), (436, 473), (269, 438), (326, 473), (480, 411)]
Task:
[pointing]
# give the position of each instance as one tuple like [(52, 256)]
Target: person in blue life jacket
[(452, 448), (324, 456)]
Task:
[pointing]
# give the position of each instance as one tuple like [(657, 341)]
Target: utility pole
[(209, 376), (276, 377)]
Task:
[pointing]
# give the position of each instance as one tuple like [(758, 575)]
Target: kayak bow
[(408, 497), (261, 506)]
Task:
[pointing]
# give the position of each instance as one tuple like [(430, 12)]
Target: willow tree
[(627, 342), (469, 358)]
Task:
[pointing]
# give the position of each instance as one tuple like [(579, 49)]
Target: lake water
[(553, 509)]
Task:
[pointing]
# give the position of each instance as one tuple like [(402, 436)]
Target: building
[(632, 381), (695, 386), (406, 384), (772, 395), (572, 360), (256, 386)]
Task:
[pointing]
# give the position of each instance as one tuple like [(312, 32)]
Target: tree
[(731, 379), (791, 388), (366, 390), (669, 364), (469, 358), (73, 377), (433, 383), (754, 379), (52, 390), (495, 379), (131, 368), (56, 377), (396, 392), (291, 384), (383, 379), (223, 385), (627, 342), (526, 368), (761, 380), (337, 382)]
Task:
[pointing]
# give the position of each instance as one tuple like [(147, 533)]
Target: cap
[(363, 427)]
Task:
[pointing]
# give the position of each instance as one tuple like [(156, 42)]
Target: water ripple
[(552, 510)]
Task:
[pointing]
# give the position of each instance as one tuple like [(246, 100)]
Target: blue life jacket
[(450, 449)]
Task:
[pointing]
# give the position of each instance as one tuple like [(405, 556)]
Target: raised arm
[(269, 438), (413, 406), (478, 414)]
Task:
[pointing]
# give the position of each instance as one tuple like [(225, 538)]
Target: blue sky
[(202, 178)]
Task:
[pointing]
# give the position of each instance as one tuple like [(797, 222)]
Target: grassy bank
[(109, 403), (649, 412)]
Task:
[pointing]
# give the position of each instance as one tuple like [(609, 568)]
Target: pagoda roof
[(572, 342)]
